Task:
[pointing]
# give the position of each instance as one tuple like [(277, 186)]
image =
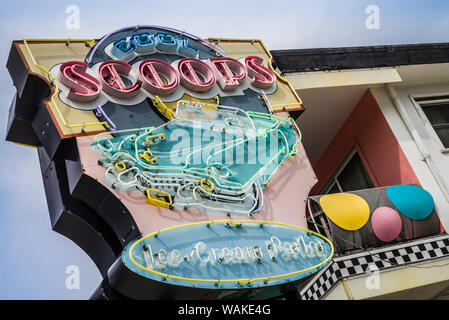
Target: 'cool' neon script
[(160, 78)]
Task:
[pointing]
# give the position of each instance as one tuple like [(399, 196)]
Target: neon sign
[(181, 89), (230, 72), (229, 254), (153, 71), (178, 165), (145, 44), (83, 87), (160, 78), (202, 255)]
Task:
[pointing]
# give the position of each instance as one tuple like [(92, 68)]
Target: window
[(351, 175), (438, 116)]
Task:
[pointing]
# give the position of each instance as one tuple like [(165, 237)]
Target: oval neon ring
[(346, 210), (209, 183), (134, 262)]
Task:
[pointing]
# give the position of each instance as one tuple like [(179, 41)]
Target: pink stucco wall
[(367, 130)]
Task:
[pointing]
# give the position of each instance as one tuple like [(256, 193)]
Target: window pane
[(443, 134), (334, 189), (354, 175), (437, 113)]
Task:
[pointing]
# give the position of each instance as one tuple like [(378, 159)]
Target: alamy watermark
[(372, 282), (372, 22), (72, 282), (72, 20)]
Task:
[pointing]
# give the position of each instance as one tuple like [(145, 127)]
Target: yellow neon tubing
[(162, 135), (237, 224), (147, 155), (120, 166), (230, 280), (148, 195), (89, 41), (270, 65), (208, 182), (164, 108)]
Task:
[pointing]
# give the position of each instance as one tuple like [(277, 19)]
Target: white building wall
[(409, 146)]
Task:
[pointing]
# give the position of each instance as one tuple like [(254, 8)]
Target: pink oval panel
[(386, 223)]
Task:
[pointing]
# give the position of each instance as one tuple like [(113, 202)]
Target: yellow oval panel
[(346, 210)]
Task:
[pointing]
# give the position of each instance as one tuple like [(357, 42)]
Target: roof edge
[(340, 58)]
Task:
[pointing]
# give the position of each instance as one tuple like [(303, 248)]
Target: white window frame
[(427, 124)]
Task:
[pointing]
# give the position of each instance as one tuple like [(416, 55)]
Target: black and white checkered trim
[(356, 264)]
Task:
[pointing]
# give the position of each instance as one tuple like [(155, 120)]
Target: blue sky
[(33, 258)]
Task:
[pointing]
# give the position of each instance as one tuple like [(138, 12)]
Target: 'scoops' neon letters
[(161, 78)]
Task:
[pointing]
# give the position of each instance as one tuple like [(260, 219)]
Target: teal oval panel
[(229, 254), (412, 201)]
